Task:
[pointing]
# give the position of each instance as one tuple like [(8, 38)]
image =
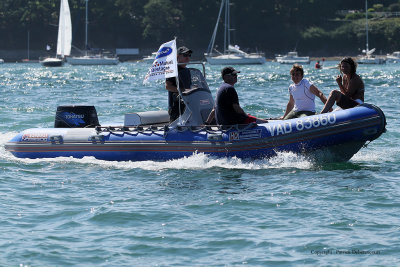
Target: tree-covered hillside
[(315, 27)]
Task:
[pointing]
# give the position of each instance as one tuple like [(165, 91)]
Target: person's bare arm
[(211, 116), (318, 93), (289, 106), (339, 80), (170, 87)]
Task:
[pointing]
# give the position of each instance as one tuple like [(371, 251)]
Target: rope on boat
[(366, 144), (152, 129)]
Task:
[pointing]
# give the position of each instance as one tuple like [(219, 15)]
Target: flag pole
[(177, 83), (165, 65)]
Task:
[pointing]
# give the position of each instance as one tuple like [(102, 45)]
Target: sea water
[(199, 210)]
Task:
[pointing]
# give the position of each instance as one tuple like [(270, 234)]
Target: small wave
[(388, 154), (5, 137), (194, 162)]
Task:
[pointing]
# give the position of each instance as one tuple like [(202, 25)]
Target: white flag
[(165, 65)]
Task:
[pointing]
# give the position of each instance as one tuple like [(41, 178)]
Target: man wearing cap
[(183, 57), (227, 109)]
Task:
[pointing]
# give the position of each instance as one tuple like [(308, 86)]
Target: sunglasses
[(296, 74), (187, 55), (233, 74)]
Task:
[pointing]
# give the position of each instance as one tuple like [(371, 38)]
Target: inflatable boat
[(149, 136)]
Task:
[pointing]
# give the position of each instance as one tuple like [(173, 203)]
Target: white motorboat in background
[(232, 54), (149, 58), (64, 38), (87, 59), (93, 60), (393, 57), (236, 56), (292, 58), (51, 62), (368, 58)]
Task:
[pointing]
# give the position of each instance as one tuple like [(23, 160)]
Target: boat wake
[(201, 161), (197, 161)]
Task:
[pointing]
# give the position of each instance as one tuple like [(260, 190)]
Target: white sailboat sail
[(64, 39)]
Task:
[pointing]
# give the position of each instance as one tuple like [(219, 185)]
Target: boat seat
[(147, 118)]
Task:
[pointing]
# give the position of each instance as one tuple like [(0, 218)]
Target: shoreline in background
[(21, 56), (335, 58)]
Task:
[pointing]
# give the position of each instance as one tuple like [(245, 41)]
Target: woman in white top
[(302, 95)]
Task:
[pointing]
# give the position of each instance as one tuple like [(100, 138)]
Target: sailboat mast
[(366, 24), (229, 24), (86, 28), (28, 43), (226, 25), (212, 41)]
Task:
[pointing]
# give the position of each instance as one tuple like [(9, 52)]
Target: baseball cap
[(228, 70), (184, 50)]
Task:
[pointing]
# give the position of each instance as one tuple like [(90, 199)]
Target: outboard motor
[(76, 117)]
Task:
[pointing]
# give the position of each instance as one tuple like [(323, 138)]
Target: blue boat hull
[(338, 134)]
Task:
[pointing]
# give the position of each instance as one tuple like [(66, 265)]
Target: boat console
[(198, 100)]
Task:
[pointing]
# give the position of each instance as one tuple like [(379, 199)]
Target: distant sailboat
[(64, 38), (87, 59), (368, 58), (231, 54)]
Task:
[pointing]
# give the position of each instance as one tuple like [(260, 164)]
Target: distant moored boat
[(368, 58), (232, 53), (393, 57), (97, 59), (292, 58)]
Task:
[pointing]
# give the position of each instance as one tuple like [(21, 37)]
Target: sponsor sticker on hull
[(35, 137), (243, 135)]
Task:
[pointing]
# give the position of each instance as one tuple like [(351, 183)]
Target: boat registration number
[(302, 124)]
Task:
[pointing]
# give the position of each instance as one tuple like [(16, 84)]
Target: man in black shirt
[(183, 57), (227, 109)]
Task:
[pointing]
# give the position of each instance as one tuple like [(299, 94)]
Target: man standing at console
[(183, 57)]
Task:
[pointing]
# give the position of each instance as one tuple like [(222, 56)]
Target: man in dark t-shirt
[(183, 57), (227, 110)]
